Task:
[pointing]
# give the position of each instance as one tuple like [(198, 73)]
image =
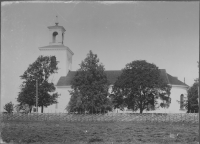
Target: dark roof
[(66, 80), (175, 81), (112, 77)]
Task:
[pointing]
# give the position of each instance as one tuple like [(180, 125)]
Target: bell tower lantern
[(57, 48), (56, 34)]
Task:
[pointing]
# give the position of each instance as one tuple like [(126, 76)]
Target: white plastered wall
[(176, 91), (61, 57), (69, 61), (174, 107), (63, 101)]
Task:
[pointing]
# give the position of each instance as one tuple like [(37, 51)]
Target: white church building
[(63, 78)]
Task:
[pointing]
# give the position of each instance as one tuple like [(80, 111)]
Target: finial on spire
[(56, 20)]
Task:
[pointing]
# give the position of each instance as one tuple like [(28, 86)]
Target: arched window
[(62, 38), (181, 101), (54, 36)]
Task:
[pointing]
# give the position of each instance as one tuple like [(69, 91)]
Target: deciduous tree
[(140, 86), (192, 101), (191, 104), (89, 87), (39, 70), (9, 107)]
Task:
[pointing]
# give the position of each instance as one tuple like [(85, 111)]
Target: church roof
[(112, 77), (175, 81)]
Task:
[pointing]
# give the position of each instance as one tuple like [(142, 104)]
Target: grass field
[(100, 132)]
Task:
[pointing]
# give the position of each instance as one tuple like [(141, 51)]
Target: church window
[(181, 101), (62, 37), (54, 36)]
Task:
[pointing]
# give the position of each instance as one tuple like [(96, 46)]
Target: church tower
[(57, 48)]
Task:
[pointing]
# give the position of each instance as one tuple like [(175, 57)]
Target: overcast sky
[(163, 33)]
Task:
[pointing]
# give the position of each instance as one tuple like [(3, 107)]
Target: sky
[(163, 33)]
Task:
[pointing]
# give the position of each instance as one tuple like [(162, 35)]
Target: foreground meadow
[(100, 132)]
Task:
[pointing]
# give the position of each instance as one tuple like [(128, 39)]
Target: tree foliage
[(23, 108), (9, 107), (140, 86), (89, 87), (197, 79), (192, 101), (191, 104), (39, 70)]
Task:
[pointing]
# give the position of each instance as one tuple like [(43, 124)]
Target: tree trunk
[(30, 110), (141, 107), (41, 109)]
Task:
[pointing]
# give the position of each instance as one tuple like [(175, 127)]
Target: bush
[(9, 107)]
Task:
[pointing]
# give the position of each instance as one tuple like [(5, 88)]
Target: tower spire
[(56, 20)]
